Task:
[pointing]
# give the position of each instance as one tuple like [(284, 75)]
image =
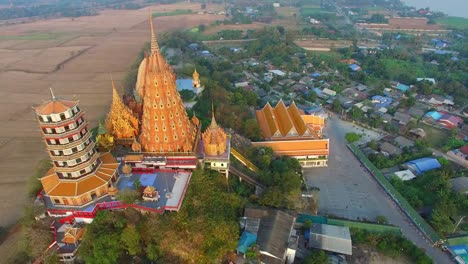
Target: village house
[(460, 155)]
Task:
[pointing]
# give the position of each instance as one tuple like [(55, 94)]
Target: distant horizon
[(457, 8)]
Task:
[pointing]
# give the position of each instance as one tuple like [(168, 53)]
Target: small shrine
[(73, 235), (150, 194)]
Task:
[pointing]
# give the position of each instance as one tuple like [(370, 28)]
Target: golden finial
[(213, 120), (154, 43)]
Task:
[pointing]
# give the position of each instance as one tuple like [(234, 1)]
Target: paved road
[(348, 190)]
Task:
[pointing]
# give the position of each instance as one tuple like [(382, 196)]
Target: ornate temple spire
[(154, 42), (213, 119), (156, 84), (120, 121), (214, 138)]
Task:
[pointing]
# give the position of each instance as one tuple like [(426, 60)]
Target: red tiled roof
[(464, 150), (55, 107)]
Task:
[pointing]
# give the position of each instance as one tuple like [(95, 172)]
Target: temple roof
[(73, 235), (54, 186), (54, 105), (308, 147), (165, 126), (282, 121)]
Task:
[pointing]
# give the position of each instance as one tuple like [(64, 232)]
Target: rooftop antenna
[(52, 94)]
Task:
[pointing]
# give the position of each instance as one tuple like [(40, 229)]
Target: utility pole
[(459, 221)]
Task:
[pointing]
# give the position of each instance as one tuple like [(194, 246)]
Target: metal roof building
[(330, 238), (422, 165)]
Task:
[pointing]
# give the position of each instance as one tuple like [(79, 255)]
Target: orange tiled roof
[(131, 157), (73, 235), (313, 120), (55, 107), (283, 121), (54, 186), (297, 147)]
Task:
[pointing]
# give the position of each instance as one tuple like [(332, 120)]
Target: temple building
[(121, 122), (216, 147), (79, 174), (194, 85), (290, 132), (165, 125), (196, 79)]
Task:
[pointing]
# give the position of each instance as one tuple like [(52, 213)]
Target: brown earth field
[(75, 57), (244, 27), (322, 44)]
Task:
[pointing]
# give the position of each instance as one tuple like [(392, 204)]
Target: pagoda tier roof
[(55, 107), (282, 121), (310, 147), (55, 186)]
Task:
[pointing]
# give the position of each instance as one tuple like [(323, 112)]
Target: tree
[(352, 137), (201, 27), (336, 106), (380, 219), (153, 252), (131, 240), (137, 184), (316, 257), (128, 195)]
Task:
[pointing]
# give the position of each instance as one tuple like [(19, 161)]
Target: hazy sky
[(450, 7)]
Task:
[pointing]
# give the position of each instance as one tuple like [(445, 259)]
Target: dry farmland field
[(75, 57)]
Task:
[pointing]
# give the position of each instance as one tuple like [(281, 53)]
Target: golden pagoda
[(196, 79), (120, 122), (214, 138), (165, 126), (216, 147)]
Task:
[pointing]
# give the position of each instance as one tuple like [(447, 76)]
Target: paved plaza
[(347, 190)]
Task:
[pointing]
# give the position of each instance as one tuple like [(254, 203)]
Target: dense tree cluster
[(432, 189), (390, 244), (281, 175), (203, 231)]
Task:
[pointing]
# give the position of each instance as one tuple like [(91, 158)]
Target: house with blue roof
[(419, 166), (246, 240), (402, 87), (381, 101), (434, 115), (315, 75), (354, 67)]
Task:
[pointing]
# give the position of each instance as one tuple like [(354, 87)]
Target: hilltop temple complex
[(156, 143), (290, 132)]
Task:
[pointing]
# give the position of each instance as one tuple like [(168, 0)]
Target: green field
[(436, 137), (173, 13), (308, 11), (459, 23)]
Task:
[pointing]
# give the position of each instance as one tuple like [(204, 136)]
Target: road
[(348, 190)]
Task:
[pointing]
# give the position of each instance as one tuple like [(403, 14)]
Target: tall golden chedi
[(79, 174), (121, 123), (165, 126)]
